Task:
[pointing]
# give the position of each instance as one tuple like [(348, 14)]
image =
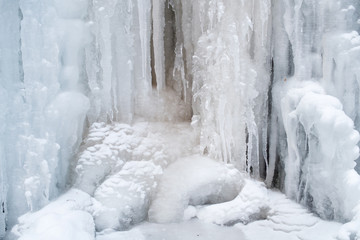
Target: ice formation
[(109, 95), (185, 183)]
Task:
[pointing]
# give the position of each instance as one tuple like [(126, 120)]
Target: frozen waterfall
[(113, 99)]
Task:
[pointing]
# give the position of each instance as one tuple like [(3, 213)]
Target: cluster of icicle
[(251, 76)]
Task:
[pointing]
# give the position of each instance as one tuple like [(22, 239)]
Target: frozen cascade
[(98, 94)]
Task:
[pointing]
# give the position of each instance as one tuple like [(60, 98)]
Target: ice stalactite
[(158, 19), (10, 94), (244, 72), (313, 140), (45, 108), (217, 46)]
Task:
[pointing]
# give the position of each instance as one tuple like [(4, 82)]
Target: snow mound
[(250, 205), (104, 151), (125, 196), (193, 181), (109, 146), (64, 219)]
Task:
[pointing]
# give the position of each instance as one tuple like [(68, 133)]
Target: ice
[(250, 205), (126, 196), (158, 7), (288, 220), (193, 181), (104, 95), (317, 155), (225, 85), (65, 218), (109, 146), (191, 230)]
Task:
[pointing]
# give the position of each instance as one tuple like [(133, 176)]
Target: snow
[(250, 205), (70, 217), (194, 180), (125, 196), (65, 218), (316, 155), (192, 230), (289, 221)]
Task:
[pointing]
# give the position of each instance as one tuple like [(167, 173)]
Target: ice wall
[(227, 56), (312, 138), (63, 66), (9, 93), (42, 102), (235, 68)]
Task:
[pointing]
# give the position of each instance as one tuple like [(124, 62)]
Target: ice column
[(315, 52), (118, 58), (230, 59), (42, 99), (158, 19), (10, 89)]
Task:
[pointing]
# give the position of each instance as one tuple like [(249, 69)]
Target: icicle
[(158, 19), (144, 12)]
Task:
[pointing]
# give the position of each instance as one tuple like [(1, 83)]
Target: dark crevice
[(21, 68), (291, 65), (169, 43), (152, 55)]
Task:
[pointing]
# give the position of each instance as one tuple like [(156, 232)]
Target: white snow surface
[(66, 218), (195, 180), (193, 197), (250, 205), (126, 195)]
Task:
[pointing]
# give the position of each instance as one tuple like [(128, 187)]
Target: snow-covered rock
[(125, 196), (250, 205), (67, 218), (193, 181)]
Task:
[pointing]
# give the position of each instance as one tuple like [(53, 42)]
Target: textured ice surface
[(288, 220), (227, 65), (126, 195), (194, 180), (108, 147), (121, 199), (66, 218), (321, 147), (191, 230), (250, 205)]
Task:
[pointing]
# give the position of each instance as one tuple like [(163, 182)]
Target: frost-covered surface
[(126, 196), (108, 147), (250, 205), (194, 180), (321, 147), (66, 218), (226, 65), (230, 79), (70, 217), (191, 230), (288, 220)]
